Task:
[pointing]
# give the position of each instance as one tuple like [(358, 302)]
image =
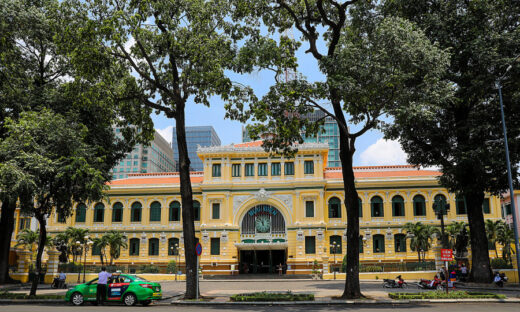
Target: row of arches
[(135, 210), (377, 207), (378, 243)]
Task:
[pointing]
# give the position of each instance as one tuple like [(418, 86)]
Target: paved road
[(502, 307)]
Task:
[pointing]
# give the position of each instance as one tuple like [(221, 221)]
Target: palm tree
[(506, 238), (492, 228), (420, 236), (101, 243), (115, 240), (28, 239), (77, 240), (453, 230)]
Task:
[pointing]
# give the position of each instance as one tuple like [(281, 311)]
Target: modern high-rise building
[(196, 136), (157, 157), (329, 135)]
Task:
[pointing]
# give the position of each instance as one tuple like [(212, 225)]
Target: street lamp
[(87, 245), (78, 248), (508, 163), (335, 245), (175, 249)]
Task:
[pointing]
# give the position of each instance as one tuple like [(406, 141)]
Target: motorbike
[(427, 284), (390, 283), (56, 283)]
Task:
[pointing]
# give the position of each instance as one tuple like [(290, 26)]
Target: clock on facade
[(263, 224)]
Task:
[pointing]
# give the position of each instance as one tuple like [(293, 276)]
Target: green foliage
[(27, 238), (8, 295), (269, 296), (500, 263), (421, 236), (370, 268), (506, 238), (148, 268), (115, 240), (171, 268), (438, 294)]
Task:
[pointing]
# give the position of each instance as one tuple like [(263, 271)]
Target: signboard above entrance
[(263, 209)]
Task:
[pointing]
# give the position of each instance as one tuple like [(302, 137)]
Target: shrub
[(370, 268), (500, 263), (171, 268), (442, 295), (149, 268), (8, 295), (266, 296)]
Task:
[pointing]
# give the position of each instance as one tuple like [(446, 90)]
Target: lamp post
[(334, 250), (78, 248), (175, 249), (87, 245), (508, 163), (441, 208)]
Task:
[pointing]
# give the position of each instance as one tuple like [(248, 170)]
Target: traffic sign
[(198, 249), (446, 254)]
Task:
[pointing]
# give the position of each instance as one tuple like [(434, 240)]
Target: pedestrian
[(280, 268), (464, 272), (101, 293), (62, 279)]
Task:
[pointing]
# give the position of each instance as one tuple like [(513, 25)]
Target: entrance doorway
[(262, 261)]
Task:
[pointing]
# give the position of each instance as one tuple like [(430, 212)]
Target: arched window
[(196, 210), (460, 202), (376, 204), (419, 205), (379, 243), (398, 206), (117, 212), (136, 212), (360, 205), (400, 242), (81, 211), (133, 249), (334, 208), (173, 246), (335, 239), (153, 247), (99, 212), (175, 211), (155, 212)]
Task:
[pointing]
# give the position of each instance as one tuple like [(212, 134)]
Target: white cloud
[(383, 152), (166, 133)]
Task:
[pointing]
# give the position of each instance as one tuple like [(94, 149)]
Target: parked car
[(129, 289)]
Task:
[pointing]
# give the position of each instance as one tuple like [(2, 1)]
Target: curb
[(345, 302)]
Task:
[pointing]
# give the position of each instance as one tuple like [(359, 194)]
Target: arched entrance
[(263, 244)]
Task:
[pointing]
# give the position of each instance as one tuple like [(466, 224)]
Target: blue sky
[(371, 149)]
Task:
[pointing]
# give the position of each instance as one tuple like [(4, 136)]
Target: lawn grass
[(8, 295), (270, 296)]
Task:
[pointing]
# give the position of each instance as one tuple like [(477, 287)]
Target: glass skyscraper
[(195, 136), (329, 135)]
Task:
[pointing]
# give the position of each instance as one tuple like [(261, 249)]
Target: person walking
[(101, 293)]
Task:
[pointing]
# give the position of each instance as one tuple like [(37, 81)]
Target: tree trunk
[(481, 269), (418, 255), (6, 232), (188, 225), (346, 144), (41, 246)]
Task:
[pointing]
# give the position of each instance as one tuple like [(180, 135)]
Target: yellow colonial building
[(255, 211)]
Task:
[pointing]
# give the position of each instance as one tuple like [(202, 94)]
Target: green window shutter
[(419, 205), (377, 207), (136, 212), (400, 243), (337, 240), (215, 211), (250, 170), (334, 208), (379, 244), (289, 168), (216, 170), (236, 170), (275, 169), (173, 246), (96, 250), (99, 212), (310, 244), (153, 247), (215, 246), (117, 212), (175, 210), (262, 169), (308, 167), (155, 212), (485, 206), (196, 210), (134, 247), (309, 209), (397, 206), (460, 203), (81, 210), (360, 205)]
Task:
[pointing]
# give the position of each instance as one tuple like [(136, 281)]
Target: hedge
[(438, 294), (266, 296), (7, 295)]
